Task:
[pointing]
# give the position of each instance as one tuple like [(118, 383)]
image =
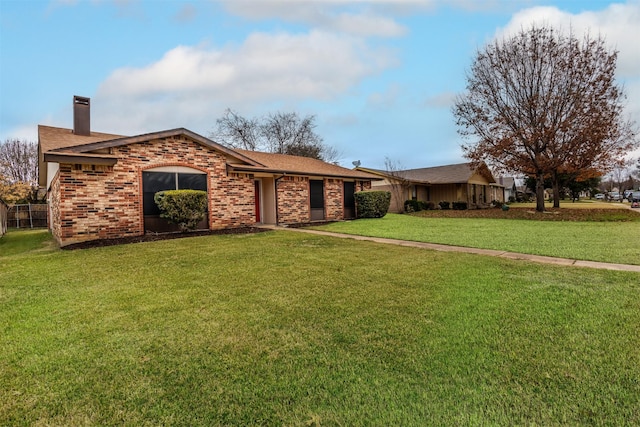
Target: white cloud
[(440, 100), (186, 14), (362, 18), (618, 24), (194, 83), (24, 132)]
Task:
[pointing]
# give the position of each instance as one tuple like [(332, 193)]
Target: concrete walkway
[(488, 252)]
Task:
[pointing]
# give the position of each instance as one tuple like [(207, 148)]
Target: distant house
[(452, 183), (102, 185), (509, 185)]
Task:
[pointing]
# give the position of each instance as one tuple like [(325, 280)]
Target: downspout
[(275, 184)]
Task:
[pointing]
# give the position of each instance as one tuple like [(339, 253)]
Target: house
[(510, 189), (452, 183), (101, 185)]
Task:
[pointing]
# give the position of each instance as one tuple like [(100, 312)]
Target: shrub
[(412, 206), (418, 205), (444, 205), (372, 204), (459, 206), (183, 207)]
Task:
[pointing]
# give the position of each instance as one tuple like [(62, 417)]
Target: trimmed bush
[(412, 206), (459, 206), (372, 204), (186, 208), (444, 205), (417, 206)]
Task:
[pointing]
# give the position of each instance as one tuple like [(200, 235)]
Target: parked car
[(634, 197), (614, 195), (599, 196)]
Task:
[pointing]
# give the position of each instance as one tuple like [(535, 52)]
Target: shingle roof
[(53, 138), (448, 174), (284, 163), (62, 142), (507, 181)]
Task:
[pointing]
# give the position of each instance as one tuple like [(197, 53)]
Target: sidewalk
[(488, 252)]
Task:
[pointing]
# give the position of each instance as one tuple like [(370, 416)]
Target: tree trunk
[(556, 192), (540, 192)]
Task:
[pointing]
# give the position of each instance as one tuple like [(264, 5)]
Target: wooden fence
[(27, 216)]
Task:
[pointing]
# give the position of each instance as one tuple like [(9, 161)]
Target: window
[(316, 196), (152, 182)]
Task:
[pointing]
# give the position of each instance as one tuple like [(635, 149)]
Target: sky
[(380, 76)]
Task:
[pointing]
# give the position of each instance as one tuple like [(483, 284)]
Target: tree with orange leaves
[(545, 104)]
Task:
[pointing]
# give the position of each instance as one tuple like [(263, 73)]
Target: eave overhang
[(81, 159), (261, 169)]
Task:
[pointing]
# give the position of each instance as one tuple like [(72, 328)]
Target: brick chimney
[(81, 116)]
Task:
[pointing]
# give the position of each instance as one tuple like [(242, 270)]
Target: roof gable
[(63, 141), (447, 174), (61, 145)]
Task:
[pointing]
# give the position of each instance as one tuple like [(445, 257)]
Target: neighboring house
[(4, 215), (101, 186), (451, 183), (510, 189)]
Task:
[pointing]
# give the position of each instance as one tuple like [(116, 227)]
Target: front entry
[(349, 200), (316, 196)]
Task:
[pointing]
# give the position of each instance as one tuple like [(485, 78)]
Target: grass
[(283, 328), (578, 204), (605, 241)]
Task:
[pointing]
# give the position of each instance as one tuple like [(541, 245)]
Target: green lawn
[(283, 328), (606, 241)]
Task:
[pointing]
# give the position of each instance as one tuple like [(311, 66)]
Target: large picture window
[(153, 182), (158, 180)]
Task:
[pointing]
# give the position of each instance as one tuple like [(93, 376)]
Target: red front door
[(257, 200)]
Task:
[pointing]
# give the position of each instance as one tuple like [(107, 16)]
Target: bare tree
[(284, 133), (236, 131), (397, 181), (18, 170), (544, 104), (19, 160), (330, 154), (621, 178), (287, 133), (636, 172)]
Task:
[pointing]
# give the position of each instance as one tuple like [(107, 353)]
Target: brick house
[(452, 183), (101, 186)]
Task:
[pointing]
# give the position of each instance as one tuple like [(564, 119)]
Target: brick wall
[(100, 202), (333, 199), (293, 200)]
